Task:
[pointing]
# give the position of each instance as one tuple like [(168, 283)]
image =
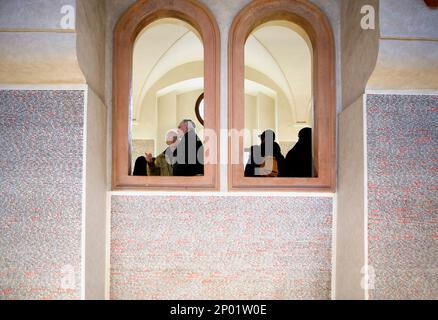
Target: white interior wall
[(282, 51), (266, 112), (250, 118), (285, 127), (155, 55), (146, 125), (167, 119), (170, 108), (186, 103)]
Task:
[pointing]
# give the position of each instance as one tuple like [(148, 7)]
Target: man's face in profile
[(171, 138), (183, 127)]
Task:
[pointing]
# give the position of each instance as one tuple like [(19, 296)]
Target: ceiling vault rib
[(138, 111), (284, 76)]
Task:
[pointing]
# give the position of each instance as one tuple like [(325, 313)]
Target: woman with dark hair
[(298, 163), (140, 167)]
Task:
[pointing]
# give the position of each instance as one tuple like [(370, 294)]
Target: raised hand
[(149, 157)]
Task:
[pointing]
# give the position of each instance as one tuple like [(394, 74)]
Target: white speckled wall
[(402, 196), (41, 176), (221, 247)]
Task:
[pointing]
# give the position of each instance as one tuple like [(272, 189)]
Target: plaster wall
[(421, 22), (359, 50), (90, 43), (48, 67), (41, 206), (35, 49), (402, 223), (404, 53), (95, 199), (147, 124), (402, 215), (408, 54), (350, 246), (224, 12), (359, 55), (220, 247), (196, 275)]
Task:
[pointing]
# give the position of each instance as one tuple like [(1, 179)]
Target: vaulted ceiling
[(279, 50)]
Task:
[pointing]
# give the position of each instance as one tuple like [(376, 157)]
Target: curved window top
[(282, 77), (167, 78), (278, 97), (166, 53)]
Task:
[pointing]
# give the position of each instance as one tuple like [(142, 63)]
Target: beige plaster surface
[(95, 191), (39, 58), (406, 65), (408, 47), (408, 19), (359, 55), (32, 14), (90, 30), (359, 50), (350, 245)]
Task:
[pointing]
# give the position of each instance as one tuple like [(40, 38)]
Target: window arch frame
[(131, 23), (319, 30)]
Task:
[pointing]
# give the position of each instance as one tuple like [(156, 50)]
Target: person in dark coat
[(189, 154), (298, 163), (140, 167), (264, 154), (254, 162)]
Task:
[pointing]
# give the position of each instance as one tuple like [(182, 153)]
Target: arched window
[(282, 79), (166, 52)]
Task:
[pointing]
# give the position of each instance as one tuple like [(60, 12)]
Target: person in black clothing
[(189, 154), (255, 160), (269, 149), (298, 163), (140, 167)]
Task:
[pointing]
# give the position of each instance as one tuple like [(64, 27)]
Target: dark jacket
[(257, 155), (140, 167), (298, 163), (189, 156)]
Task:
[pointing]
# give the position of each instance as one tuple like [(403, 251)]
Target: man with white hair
[(189, 154)]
